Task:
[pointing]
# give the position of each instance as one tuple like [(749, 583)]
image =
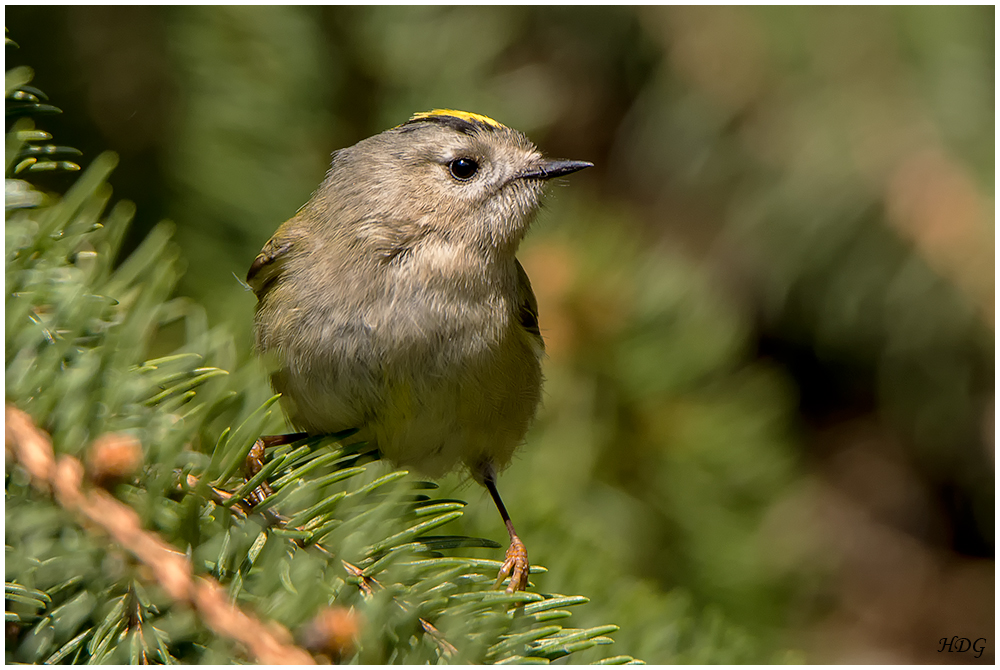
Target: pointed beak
[(554, 168)]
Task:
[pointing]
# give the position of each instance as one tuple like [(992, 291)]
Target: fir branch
[(22, 100), (32, 448)]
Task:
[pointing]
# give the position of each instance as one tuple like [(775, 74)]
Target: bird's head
[(458, 174)]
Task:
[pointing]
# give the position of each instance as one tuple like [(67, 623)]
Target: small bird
[(393, 302)]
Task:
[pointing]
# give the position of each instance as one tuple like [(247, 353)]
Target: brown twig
[(32, 448), (365, 583), (447, 647)]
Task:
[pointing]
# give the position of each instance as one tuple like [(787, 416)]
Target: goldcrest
[(393, 301)]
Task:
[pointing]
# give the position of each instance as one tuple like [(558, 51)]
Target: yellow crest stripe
[(465, 116)]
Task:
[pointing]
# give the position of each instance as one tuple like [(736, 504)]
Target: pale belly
[(462, 399)]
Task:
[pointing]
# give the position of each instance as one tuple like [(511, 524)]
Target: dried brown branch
[(32, 448)]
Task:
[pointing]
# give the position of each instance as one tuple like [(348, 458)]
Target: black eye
[(463, 168)]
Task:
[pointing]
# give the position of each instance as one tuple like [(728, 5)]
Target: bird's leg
[(255, 459), (516, 564), (278, 440), (255, 462)]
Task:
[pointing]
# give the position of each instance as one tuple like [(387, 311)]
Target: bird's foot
[(515, 566), (255, 463)]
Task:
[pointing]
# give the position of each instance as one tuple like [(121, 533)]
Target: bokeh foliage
[(788, 231)]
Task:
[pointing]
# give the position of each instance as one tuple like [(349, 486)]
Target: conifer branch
[(32, 448)]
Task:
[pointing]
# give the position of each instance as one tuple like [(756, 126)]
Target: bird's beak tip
[(555, 168)]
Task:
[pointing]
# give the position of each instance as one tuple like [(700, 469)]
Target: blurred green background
[(769, 308)]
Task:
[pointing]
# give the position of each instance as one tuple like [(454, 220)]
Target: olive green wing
[(268, 265), (528, 306)]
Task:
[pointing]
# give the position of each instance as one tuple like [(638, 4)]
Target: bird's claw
[(515, 566)]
